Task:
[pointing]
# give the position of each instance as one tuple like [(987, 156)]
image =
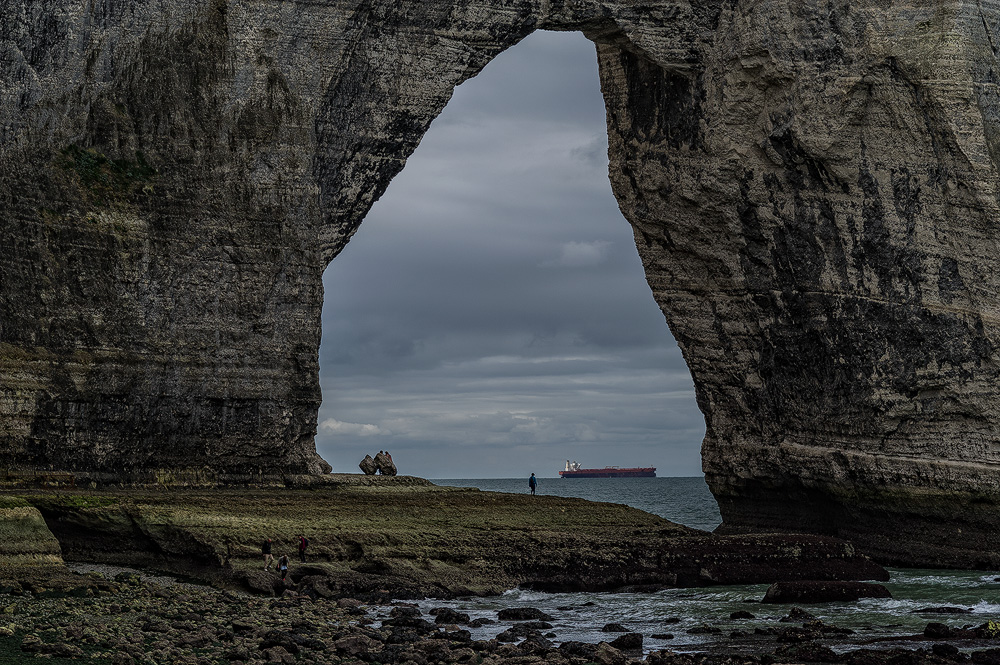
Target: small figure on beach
[(532, 483), (303, 544), (283, 565), (265, 550)]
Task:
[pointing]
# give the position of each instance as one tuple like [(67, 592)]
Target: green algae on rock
[(25, 540)]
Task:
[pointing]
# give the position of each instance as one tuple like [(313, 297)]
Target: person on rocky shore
[(303, 544), (265, 549), (283, 565), (532, 483)]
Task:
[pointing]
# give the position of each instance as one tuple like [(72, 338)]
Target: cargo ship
[(573, 470)]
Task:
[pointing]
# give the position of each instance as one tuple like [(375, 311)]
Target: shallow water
[(580, 616)]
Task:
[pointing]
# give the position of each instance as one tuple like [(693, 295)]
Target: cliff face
[(812, 186)]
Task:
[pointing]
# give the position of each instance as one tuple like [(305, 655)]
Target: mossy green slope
[(25, 540), (404, 537)]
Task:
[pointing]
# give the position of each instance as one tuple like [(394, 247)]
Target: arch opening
[(491, 317)]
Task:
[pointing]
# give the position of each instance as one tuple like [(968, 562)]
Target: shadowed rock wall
[(812, 186)]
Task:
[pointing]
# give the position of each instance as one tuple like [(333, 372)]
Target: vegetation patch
[(12, 502), (55, 501), (107, 180)]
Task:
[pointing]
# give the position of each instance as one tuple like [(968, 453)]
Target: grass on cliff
[(106, 180), (458, 537)]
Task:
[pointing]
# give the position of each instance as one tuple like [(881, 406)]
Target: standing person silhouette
[(265, 550), (283, 565), (532, 483), (303, 544)]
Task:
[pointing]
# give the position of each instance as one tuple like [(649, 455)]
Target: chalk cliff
[(812, 184)]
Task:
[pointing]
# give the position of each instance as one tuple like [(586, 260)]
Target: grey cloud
[(490, 317)]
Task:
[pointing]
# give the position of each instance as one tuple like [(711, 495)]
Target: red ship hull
[(611, 472)]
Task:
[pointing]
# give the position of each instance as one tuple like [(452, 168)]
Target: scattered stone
[(614, 628), (239, 655), (608, 655), (795, 635), (662, 636), (938, 631), (797, 615), (349, 603), (278, 654), (508, 636), (523, 614), (578, 649), (525, 629), (628, 642), (945, 650), (703, 629), (987, 657), (741, 614), (536, 625), (448, 615)]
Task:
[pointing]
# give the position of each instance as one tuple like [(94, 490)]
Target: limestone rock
[(368, 465), (812, 188), (383, 462)]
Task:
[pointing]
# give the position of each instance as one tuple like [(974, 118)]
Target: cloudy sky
[(490, 319)]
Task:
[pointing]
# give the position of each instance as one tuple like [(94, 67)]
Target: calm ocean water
[(580, 616), (686, 501)]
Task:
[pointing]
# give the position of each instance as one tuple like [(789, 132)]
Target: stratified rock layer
[(812, 186), (403, 537)]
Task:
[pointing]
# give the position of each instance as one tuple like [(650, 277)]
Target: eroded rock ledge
[(813, 188), (403, 538)]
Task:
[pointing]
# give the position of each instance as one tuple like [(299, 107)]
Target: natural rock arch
[(812, 187)]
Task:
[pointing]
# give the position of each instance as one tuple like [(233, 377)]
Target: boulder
[(797, 615), (523, 614), (448, 615), (384, 464), (823, 592), (608, 655), (628, 642), (939, 631), (368, 466)]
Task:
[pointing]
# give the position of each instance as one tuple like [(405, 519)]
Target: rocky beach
[(377, 545), (123, 617)]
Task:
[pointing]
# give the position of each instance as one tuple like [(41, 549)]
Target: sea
[(666, 617)]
